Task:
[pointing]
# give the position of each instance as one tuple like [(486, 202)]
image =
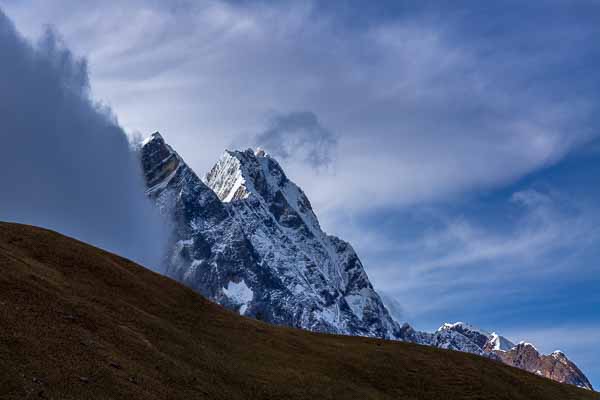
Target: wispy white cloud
[(537, 238), (418, 114), (300, 136)]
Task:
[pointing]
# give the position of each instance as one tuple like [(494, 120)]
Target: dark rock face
[(201, 224), (247, 238), (555, 366), (461, 337)]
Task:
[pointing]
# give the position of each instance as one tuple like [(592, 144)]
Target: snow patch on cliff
[(240, 294)]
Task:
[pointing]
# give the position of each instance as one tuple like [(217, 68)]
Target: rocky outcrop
[(555, 366), (463, 337)]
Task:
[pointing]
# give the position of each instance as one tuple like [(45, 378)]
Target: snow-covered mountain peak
[(228, 179), (526, 345), (240, 175), (247, 238), (462, 327), (558, 354), (498, 343), (471, 339)]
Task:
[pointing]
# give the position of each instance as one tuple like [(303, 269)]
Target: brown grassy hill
[(80, 323)]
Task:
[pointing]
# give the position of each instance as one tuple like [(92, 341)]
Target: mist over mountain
[(65, 162)]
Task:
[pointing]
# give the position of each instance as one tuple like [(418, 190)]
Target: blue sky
[(454, 144)]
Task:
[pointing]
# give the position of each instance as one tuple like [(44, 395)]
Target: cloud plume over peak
[(65, 163), (301, 136)]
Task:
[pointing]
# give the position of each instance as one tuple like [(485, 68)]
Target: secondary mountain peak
[(497, 342), (467, 338), (256, 176)]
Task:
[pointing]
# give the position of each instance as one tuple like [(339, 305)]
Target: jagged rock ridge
[(247, 238), (464, 337), (555, 366)]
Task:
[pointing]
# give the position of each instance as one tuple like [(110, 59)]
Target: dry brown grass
[(80, 323)]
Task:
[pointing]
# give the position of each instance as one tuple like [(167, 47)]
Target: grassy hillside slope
[(80, 323)]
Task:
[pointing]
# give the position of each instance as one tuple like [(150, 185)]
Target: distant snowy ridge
[(246, 237), (464, 337)]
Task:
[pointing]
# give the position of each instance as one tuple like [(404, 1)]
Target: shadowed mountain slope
[(77, 322)]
